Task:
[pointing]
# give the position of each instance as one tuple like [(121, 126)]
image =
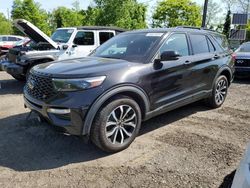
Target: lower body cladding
[(242, 71), (69, 120)]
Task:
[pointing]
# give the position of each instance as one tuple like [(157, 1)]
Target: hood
[(81, 67), (33, 32)]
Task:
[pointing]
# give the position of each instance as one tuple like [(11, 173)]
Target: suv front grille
[(242, 62), (39, 87)]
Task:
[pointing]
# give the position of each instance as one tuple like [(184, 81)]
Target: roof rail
[(192, 27), (187, 27)]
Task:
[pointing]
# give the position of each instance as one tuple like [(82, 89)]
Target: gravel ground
[(189, 147)]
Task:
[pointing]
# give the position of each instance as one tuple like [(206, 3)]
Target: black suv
[(129, 79)]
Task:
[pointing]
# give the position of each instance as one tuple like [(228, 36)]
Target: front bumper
[(11, 68), (242, 71), (70, 120)]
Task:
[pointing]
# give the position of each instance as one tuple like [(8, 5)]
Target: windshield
[(244, 48), (133, 47), (62, 35)]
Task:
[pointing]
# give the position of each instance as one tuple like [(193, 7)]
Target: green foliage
[(127, 14), (6, 27), (171, 13), (212, 11), (227, 24), (31, 11), (65, 17)]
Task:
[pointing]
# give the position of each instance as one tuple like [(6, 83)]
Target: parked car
[(64, 43), (242, 175), (9, 40), (131, 78), (242, 60), (19, 44)]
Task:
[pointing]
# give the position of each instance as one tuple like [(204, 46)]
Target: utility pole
[(204, 16)]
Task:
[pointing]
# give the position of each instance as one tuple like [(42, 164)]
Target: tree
[(227, 24), (212, 10), (6, 26), (127, 14), (65, 17), (31, 11), (171, 13)]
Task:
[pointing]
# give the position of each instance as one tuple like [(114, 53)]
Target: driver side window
[(176, 42)]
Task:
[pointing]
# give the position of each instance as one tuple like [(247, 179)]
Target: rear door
[(204, 62)]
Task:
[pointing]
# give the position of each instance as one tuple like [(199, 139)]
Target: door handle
[(187, 62), (216, 56)]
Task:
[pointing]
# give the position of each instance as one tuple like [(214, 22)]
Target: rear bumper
[(11, 68), (69, 120)]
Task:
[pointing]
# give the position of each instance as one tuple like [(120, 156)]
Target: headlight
[(77, 84)]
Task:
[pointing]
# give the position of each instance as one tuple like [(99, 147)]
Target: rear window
[(199, 44), (84, 38), (104, 36), (244, 47)]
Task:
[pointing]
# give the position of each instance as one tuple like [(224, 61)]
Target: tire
[(19, 77), (219, 92), (109, 131)]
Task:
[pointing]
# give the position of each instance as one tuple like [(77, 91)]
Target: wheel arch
[(226, 71), (131, 91)]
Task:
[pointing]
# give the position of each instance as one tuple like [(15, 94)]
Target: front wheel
[(219, 93), (116, 125)]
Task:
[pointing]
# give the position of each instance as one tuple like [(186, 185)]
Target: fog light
[(58, 111)]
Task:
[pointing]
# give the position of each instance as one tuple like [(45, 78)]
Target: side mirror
[(169, 55), (74, 45)]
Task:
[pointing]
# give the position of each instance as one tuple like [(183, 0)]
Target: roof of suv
[(101, 28), (176, 29)]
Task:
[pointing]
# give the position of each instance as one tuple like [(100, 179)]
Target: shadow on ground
[(228, 180), (27, 145)]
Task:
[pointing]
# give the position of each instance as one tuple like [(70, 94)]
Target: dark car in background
[(129, 79), (242, 60)]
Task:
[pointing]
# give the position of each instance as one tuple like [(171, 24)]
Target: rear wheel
[(116, 125), (219, 92)]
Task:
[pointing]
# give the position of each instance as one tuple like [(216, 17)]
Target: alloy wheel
[(121, 124), (221, 91)]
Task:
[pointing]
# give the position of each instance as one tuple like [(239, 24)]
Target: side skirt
[(178, 103)]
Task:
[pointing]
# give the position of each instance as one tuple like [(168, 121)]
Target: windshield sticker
[(154, 34)]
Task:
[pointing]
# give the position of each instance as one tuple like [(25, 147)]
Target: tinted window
[(4, 39), (199, 44), (176, 42), (84, 38), (12, 39), (104, 36)]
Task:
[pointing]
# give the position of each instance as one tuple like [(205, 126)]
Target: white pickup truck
[(65, 43)]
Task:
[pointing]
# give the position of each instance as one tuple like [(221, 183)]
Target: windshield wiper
[(111, 57)]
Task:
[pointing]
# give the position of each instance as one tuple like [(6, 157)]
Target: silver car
[(242, 175)]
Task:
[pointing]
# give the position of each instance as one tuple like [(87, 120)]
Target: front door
[(173, 81)]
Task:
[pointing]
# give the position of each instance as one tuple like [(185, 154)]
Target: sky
[(49, 5)]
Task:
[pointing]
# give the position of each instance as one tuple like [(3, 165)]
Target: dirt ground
[(189, 147)]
